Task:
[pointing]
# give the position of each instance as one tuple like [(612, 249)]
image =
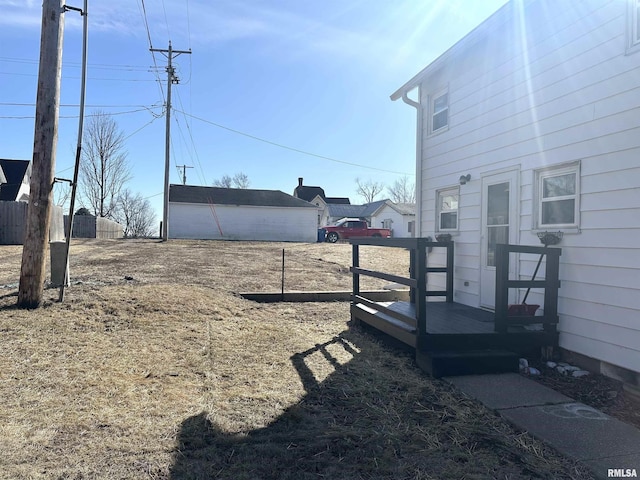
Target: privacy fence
[(88, 226), (13, 223)]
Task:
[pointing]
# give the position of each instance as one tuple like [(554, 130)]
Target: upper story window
[(448, 209), (440, 111), (633, 29), (558, 197)]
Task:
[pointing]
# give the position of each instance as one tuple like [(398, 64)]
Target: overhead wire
[(293, 149), (153, 56), (200, 170)]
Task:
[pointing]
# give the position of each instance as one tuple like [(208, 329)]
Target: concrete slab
[(578, 431), (507, 390)]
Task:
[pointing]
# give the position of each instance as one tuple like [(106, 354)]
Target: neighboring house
[(17, 174), (239, 214), (531, 123), (398, 217), (316, 196)]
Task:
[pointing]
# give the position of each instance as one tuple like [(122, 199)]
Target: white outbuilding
[(239, 214)]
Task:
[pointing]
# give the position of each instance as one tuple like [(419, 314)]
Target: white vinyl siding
[(567, 96)]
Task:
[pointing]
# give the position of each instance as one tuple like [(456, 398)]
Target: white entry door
[(499, 225)]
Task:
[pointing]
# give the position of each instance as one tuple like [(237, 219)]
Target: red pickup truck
[(353, 227)]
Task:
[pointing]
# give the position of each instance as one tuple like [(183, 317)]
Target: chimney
[(299, 181)]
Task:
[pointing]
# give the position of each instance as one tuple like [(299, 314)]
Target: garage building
[(197, 212)]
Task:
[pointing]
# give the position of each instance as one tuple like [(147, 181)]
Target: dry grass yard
[(172, 375)]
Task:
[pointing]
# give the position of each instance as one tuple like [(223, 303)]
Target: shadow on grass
[(375, 417)]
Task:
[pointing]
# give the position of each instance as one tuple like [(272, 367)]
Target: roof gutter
[(404, 94)]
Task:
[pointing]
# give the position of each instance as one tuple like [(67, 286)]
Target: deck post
[(355, 261), (502, 290), (421, 292), (450, 272), (412, 274), (552, 277)]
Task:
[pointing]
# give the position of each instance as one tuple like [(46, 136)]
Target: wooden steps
[(394, 327), (446, 354), (472, 362)]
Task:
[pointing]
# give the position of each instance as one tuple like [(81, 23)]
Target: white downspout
[(418, 106)]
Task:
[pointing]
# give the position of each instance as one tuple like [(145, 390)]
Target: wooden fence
[(88, 226), (13, 223)]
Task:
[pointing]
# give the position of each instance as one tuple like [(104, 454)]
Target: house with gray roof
[(316, 196), (198, 212), (397, 217)]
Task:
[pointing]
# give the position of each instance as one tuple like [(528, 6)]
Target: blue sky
[(313, 76)]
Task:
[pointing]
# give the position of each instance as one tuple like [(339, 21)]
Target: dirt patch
[(171, 375)]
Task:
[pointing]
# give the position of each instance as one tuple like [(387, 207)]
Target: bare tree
[(369, 189), (402, 191), (239, 180), (61, 193), (104, 168), (134, 212)]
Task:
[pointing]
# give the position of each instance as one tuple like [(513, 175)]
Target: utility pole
[(184, 173), (34, 251), (170, 53)]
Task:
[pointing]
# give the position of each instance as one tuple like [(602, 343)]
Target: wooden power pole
[(34, 252), (170, 53)]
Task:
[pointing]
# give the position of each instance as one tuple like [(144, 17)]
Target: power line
[(75, 105), (153, 56), (193, 143), (293, 149), (76, 116), (98, 66), (76, 78)]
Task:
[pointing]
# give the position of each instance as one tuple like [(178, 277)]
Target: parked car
[(353, 227)]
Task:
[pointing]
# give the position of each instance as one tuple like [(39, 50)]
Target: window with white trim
[(633, 26), (447, 209), (558, 197), (635, 18), (440, 111)]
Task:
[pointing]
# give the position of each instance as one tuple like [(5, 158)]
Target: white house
[(239, 214), (398, 217), (316, 196), (531, 123)]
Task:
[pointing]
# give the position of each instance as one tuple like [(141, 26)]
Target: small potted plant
[(443, 237)]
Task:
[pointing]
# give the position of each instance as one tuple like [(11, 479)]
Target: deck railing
[(417, 280), (503, 316)]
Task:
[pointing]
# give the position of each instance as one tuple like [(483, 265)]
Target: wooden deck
[(452, 338), (442, 319)]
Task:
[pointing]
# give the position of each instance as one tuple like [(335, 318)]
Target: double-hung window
[(439, 111), (448, 209), (558, 197)]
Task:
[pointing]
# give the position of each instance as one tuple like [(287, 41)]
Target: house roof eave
[(499, 16)]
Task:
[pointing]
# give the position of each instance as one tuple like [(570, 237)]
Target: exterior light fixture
[(465, 178)]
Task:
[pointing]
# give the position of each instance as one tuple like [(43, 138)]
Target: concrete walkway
[(596, 440)]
